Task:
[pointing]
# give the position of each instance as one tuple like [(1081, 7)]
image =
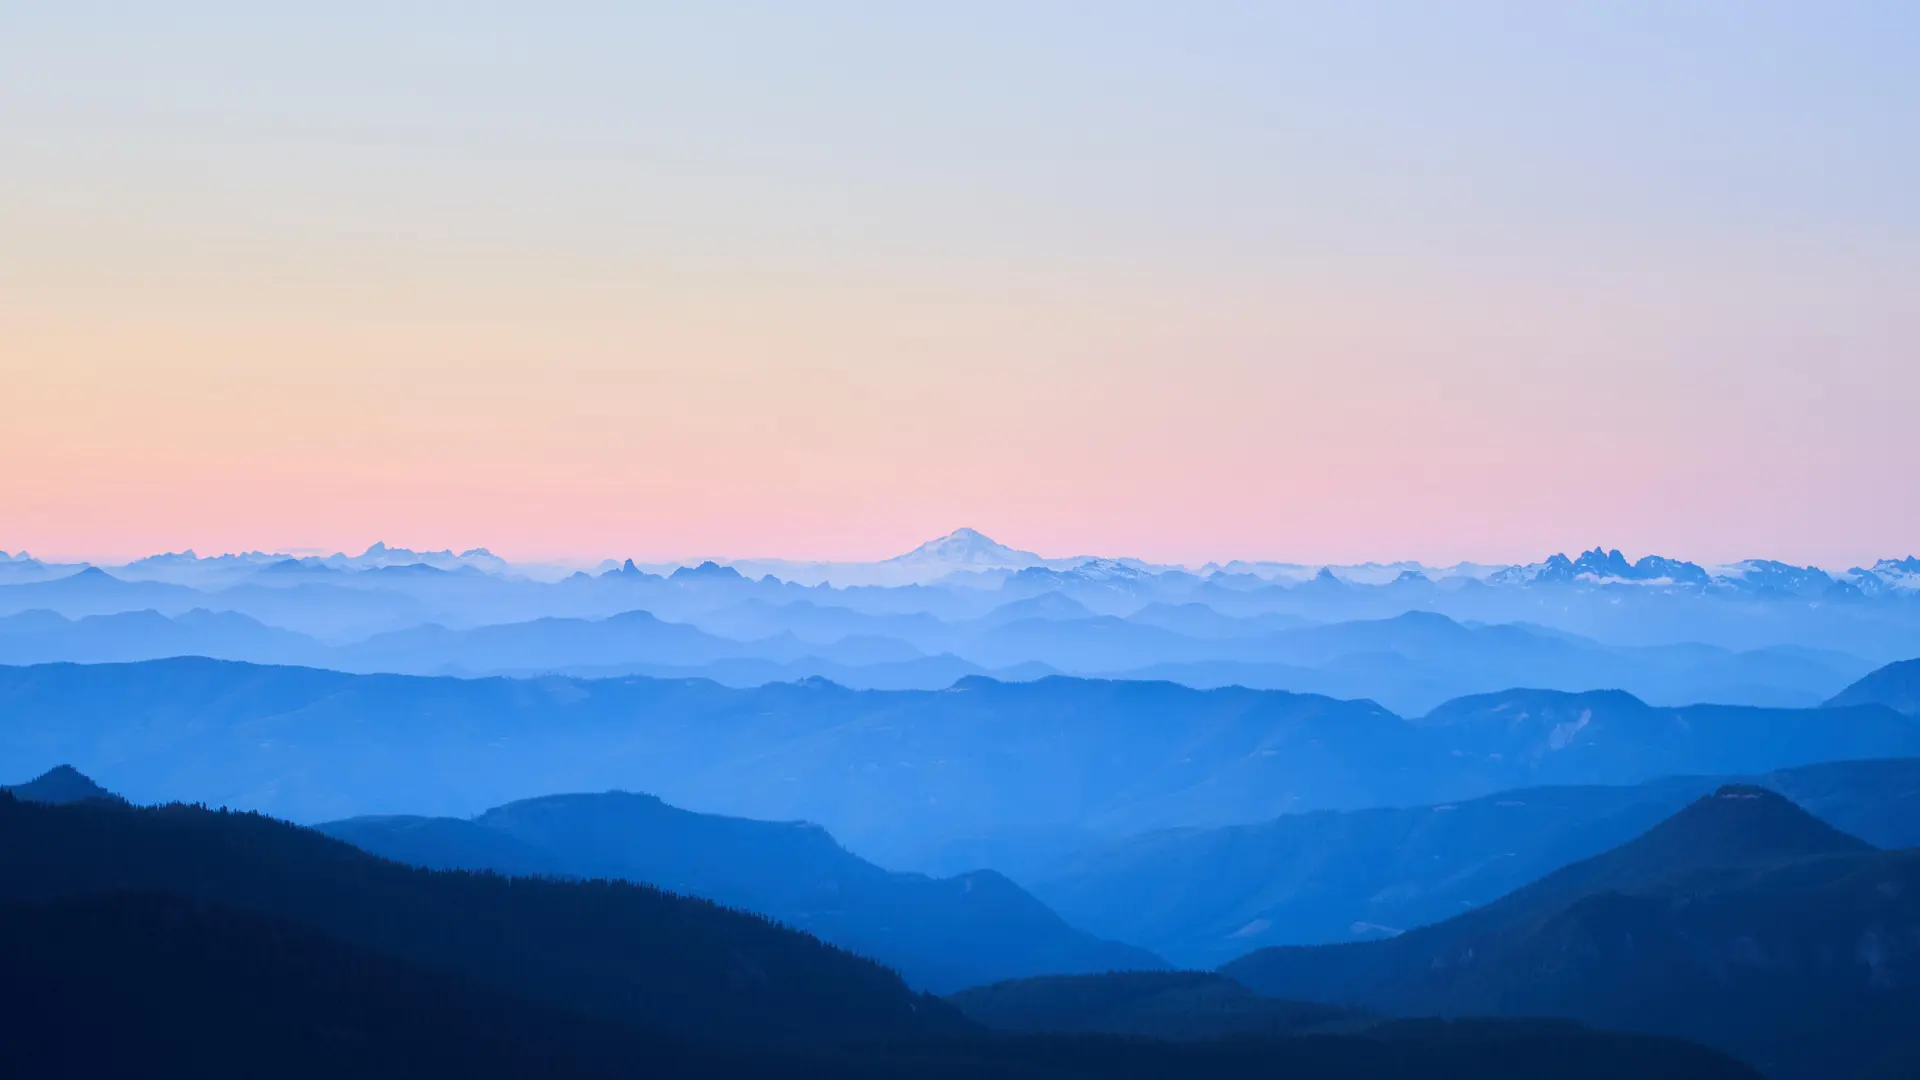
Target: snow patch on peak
[(1109, 570)]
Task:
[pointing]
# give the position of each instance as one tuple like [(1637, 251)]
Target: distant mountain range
[(969, 553), (1407, 636), (940, 934), (1409, 663), (1635, 792), (898, 776), (1742, 922)]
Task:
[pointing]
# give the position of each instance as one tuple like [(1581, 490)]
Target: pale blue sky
[(1633, 272)]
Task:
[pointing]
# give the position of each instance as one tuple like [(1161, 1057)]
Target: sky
[(1318, 282)]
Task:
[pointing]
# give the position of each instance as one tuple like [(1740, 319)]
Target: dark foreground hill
[(1151, 1004), (890, 773), (143, 984), (1204, 896), (270, 950), (1742, 922), (626, 952), (181, 988), (940, 933)]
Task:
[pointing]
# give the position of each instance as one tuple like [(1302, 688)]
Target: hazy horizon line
[(588, 562)]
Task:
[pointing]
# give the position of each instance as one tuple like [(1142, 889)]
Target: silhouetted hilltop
[(1897, 686), (60, 784), (942, 934), (627, 952), (1741, 922)]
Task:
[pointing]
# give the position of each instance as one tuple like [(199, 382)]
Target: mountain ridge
[(942, 934), (888, 772), (1726, 923)]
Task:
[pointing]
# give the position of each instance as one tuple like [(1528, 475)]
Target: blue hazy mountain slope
[(889, 773), (923, 673), (38, 637), (93, 591), (1741, 922), (442, 843), (1897, 686), (547, 644), (1203, 896), (940, 934)]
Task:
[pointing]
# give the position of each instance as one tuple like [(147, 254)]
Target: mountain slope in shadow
[(626, 952), (1201, 897), (1741, 922), (1148, 1004), (190, 988)]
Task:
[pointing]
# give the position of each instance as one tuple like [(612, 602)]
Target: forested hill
[(626, 952)]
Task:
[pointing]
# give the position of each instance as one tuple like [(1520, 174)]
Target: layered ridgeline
[(1201, 897), (1600, 593), (894, 775), (221, 945), (941, 934), (1409, 663), (1741, 922)]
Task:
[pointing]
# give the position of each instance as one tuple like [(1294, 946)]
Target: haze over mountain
[(1202, 897), (895, 775), (1897, 686), (1670, 632)]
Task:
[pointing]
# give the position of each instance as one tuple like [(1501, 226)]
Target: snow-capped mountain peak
[(1603, 566), (1886, 576), (969, 549)]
